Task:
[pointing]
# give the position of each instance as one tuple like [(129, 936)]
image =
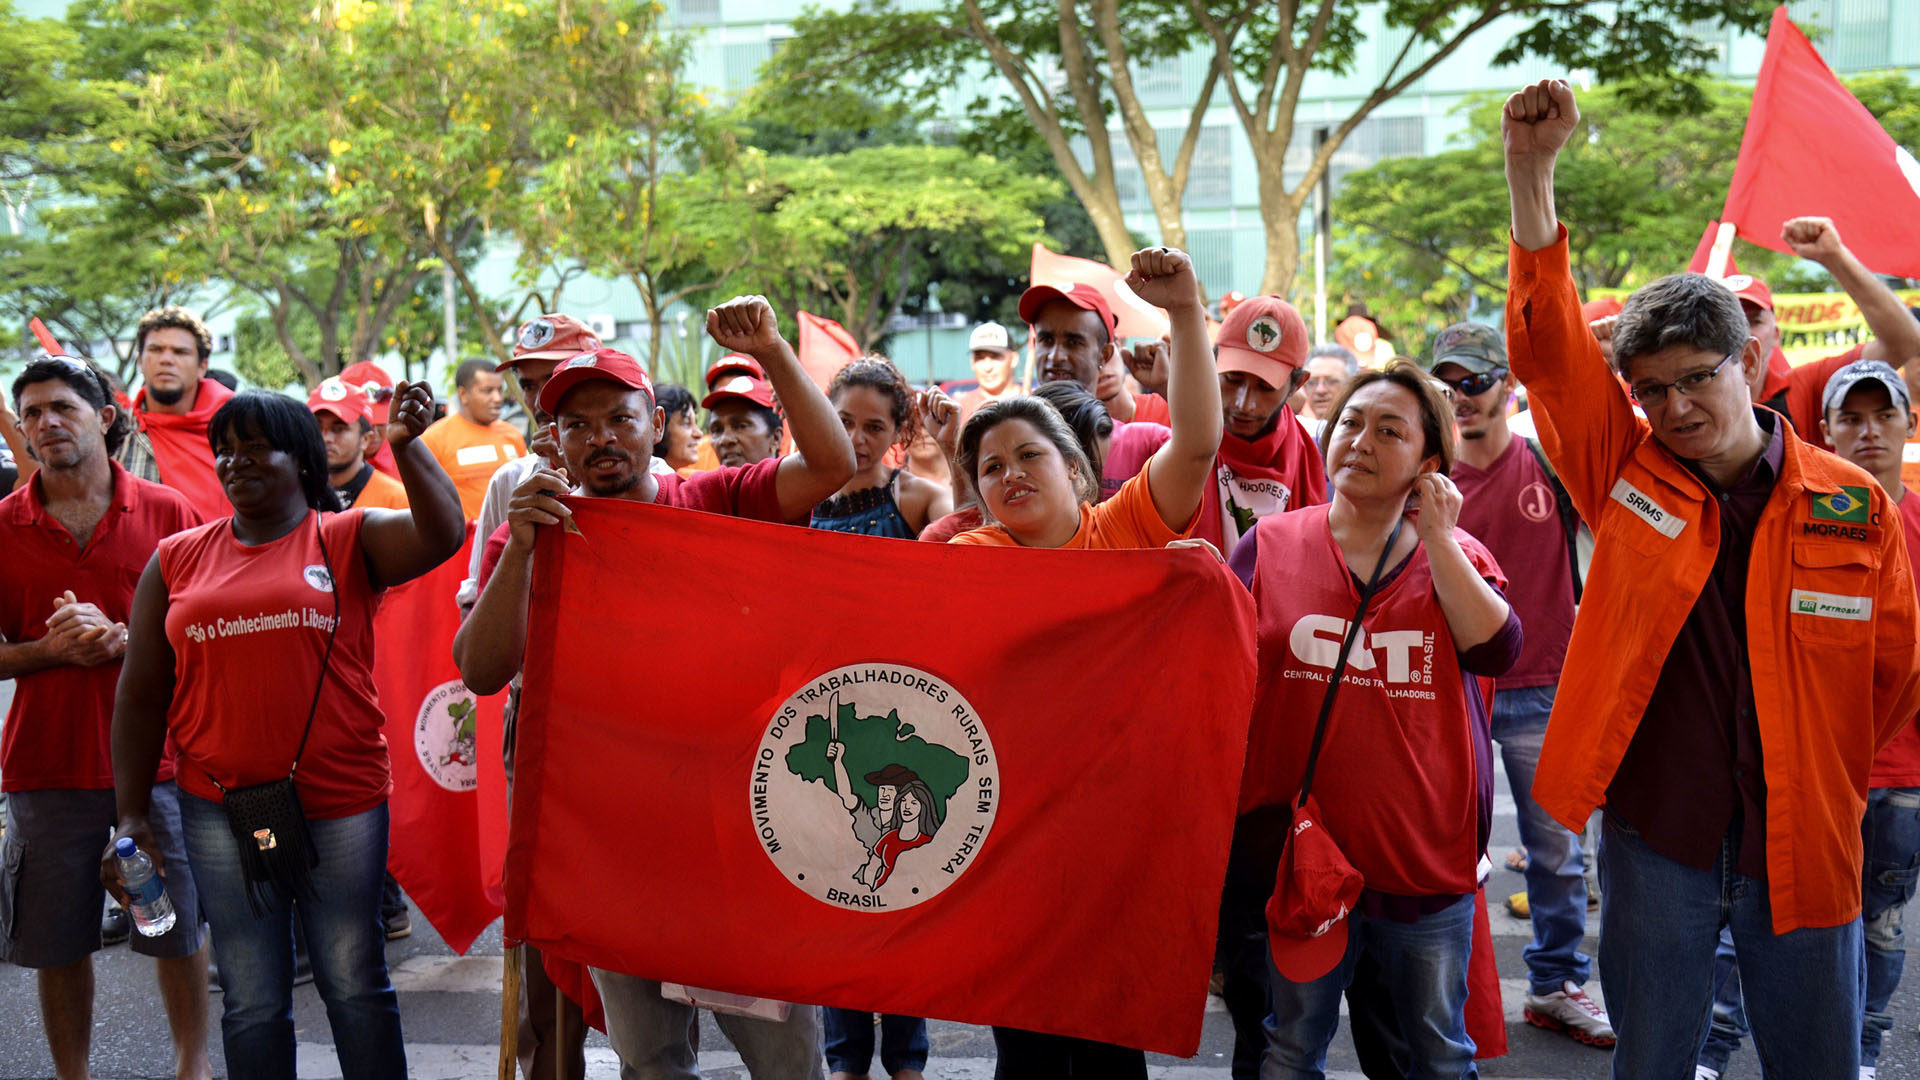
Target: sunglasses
[(1475, 385)]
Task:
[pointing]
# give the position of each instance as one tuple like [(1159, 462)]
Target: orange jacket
[(1830, 607)]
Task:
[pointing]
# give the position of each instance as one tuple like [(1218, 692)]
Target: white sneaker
[(1569, 1009), (1701, 1072), (1868, 1072)]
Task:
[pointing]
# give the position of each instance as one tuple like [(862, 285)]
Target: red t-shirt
[(1151, 409), (1399, 778), (746, 491), (1132, 446), (248, 626), (57, 730), (1257, 478), (1898, 763), (962, 520), (1510, 508)]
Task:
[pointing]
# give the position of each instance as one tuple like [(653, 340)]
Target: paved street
[(451, 1010)]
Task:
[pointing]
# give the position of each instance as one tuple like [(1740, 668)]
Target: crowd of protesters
[(1672, 592)]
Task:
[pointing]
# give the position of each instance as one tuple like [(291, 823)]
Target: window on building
[(1862, 34), (699, 12), (743, 60)]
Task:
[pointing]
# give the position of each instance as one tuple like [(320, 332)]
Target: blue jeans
[(1660, 928), (345, 940), (1891, 831), (1424, 965), (849, 1034), (1556, 867), (1729, 1024)]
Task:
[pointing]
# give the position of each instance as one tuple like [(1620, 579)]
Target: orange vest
[(1830, 606)]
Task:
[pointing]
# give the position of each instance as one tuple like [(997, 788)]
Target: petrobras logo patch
[(874, 787)]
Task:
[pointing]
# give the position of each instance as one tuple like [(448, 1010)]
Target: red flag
[(449, 805), (1136, 317), (1812, 148), (1023, 784), (825, 347), (1778, 367)]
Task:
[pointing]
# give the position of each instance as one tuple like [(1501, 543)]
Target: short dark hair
[(224, 377), (768, 417), (85, 378), (463, 375), (1436, 414), (671, 399), (1679, 309), (172, 317), (287, 425)]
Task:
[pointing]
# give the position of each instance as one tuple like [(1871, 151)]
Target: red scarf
[(180, 448), (1279, 471)]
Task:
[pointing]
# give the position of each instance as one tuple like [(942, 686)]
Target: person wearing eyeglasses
[(1744, 644), (1516, 506)]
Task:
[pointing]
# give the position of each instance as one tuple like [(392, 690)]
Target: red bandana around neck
[(180, 448)]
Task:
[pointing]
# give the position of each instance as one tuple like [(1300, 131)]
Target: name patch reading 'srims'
[(874, 787)]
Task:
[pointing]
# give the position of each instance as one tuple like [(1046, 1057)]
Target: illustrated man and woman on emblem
[(904, 815)]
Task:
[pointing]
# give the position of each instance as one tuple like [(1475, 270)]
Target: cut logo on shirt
[(1662, 520), (1831, 606)]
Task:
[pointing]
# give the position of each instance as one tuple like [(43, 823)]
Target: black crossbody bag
[(268, 822)]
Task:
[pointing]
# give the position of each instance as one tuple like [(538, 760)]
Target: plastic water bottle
[(147, 899)]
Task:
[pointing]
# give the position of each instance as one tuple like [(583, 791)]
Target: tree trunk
[(1280, 218)]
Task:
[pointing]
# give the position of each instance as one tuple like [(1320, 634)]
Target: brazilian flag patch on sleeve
[(1848, 504)]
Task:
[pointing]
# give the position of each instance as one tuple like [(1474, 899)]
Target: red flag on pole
[(930, 806), (1811, 148), (1136, 317), (825, 347), (449, 805), (45, 336), (1778, 366)]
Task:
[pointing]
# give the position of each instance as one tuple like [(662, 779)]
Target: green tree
[(1071, 66), (1424, 240), (640, 178), (329, 154), (857, 236)]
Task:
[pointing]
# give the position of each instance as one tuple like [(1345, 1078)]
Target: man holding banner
[(604, 424)]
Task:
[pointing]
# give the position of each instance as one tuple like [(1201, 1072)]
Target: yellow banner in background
[(1813, 326)]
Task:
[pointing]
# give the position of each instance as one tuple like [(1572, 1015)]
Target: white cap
[(988, 336)]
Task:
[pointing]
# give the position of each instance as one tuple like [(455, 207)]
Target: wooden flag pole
[(509, 1013)]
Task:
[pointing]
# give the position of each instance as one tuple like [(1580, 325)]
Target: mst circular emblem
[(445, 736), (874, 787), (1263, 334), (318, 577)]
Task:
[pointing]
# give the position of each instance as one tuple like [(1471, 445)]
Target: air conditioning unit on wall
[(602, 326)]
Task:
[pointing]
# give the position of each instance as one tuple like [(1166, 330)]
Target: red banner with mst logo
[(448, 813), (880, 774)]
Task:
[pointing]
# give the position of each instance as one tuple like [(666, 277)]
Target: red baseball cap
[(1263, 336), (1081, 295), (349, 403), (364, 375), (1313, 899), (737, 364), (740, 388), (550, 337), (611, 365), (1750, 289)]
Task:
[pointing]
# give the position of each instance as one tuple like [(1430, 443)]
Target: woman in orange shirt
[(1036, 485), (1037, 488)]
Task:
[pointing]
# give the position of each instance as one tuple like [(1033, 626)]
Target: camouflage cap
[(1474, 346)]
